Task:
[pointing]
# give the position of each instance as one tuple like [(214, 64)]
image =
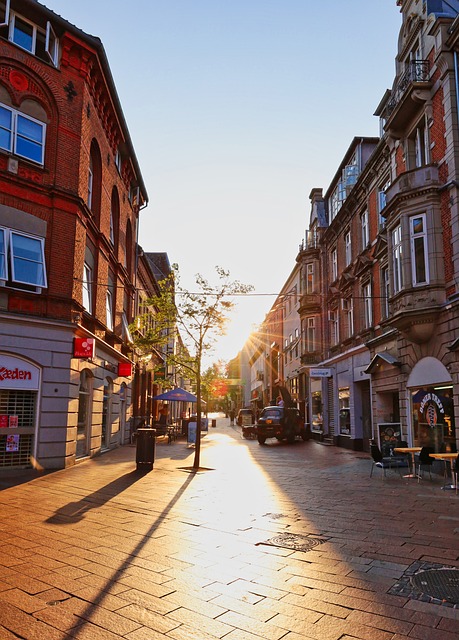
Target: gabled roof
[(381, 358)]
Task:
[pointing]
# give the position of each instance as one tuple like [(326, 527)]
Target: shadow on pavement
[(75, 511)]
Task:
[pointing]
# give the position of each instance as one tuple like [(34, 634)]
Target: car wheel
[(304, 436), (261, 439)]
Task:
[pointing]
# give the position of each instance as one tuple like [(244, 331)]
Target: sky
[(237, 109)]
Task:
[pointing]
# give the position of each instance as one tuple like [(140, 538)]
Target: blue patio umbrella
[(177, 395)]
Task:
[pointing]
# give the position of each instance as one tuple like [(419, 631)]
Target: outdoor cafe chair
[(424, 460), (386, 462)]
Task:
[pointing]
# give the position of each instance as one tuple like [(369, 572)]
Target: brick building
[(379, 281), (70, 195)]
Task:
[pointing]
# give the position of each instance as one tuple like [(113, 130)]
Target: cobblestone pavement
[(276, 542)]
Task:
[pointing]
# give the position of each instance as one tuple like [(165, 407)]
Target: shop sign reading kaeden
[(16, 373)]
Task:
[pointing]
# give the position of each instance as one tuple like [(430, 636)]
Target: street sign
[(320, 373)]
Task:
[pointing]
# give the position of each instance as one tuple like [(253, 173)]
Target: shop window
[(84, 413), (344, 411), (433, 418), (22, 135), (107, 413), (22, 261), (316, 411)]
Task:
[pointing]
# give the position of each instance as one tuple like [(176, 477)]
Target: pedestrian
[(280, 402), (231, 415)]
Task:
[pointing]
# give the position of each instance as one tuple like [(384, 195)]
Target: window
[(118, 160), (418, 146), (334, 265), (94, 180), (87, 287), (348, 247), (22, 260), (114, 218), (22, 135), (109, 303), (385, 292), (90, 183), (348, 309), (368, 315), (419, 255), (40, 41), (310, 278), (336, 200), (397, 258), (334, 329), (382, 201), (365, 230), (107, 413), (310, 335)]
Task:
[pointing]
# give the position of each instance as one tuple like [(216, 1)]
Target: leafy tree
[(192, 319)]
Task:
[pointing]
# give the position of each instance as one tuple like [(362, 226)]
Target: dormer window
[(39, 41)]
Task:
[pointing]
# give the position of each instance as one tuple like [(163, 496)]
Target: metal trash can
[(145, 449), (214, 423)]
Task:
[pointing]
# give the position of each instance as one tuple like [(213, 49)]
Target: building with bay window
[(70, 196)]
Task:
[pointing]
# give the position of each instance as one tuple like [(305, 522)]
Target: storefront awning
[(382, 358)]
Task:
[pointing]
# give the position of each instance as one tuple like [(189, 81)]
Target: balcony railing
[(417, 71), (311, 241)]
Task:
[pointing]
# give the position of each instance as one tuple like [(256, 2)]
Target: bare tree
[(198, 317)]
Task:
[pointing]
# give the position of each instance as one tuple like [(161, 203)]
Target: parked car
[(282, 423), (245, 417)]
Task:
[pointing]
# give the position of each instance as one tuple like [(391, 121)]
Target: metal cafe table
[(446, 457), (411, 450)]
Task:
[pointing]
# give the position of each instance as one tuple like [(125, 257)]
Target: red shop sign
[(124, 369), (83, 347)]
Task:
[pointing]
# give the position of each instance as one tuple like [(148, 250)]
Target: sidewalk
[(276, 542)]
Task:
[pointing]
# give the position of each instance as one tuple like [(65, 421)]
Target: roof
[(96, 44), (160, 265), (382, 357), (443, 8)]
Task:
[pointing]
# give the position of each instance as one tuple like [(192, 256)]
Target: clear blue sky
[(237, 109)]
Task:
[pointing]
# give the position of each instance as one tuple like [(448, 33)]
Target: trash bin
[(214, 423), (145, 449)]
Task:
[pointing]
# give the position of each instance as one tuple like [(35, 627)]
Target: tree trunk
[(197, 449)]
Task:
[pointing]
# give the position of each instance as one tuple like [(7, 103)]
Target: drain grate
[(441, 584), (293, 541), (429, 582)]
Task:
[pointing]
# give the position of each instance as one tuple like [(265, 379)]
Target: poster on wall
[(13, 422), (3, 421), (12, 443)]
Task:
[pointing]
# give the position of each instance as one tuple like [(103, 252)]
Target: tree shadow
[(75, 511)]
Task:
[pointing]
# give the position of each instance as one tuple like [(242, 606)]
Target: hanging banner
[(84, 347), (124, 369)]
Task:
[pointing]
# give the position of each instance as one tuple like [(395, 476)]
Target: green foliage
[(186, 325)]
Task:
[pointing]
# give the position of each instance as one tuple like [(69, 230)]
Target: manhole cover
[(293, 541), (441, 584)]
